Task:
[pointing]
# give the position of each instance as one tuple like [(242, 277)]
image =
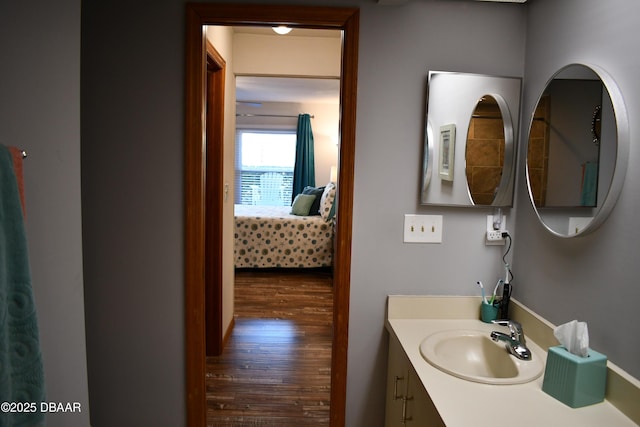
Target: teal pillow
[(316, 191), (302, 204)]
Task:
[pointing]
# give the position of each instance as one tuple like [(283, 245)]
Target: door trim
[(198, 15), (214, 194)]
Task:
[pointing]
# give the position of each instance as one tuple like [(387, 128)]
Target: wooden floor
[(276, 367)]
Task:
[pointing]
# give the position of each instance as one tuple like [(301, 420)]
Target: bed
[(273, 237)]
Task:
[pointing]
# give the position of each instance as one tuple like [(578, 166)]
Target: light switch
[(422, 228)]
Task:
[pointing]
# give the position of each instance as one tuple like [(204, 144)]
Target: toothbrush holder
[(489, 312)]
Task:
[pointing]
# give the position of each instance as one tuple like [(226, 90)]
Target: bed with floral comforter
[(270, 236)]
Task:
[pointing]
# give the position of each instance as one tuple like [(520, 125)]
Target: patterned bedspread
[(269, 236)]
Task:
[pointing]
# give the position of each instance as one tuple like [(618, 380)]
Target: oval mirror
[(459, 170), (485, 151), (577, 150)]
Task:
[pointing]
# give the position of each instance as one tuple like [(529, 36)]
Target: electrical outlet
[(494, 237), (577, 224), (422, 228)]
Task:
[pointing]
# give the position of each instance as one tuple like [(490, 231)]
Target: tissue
[(574, 336)]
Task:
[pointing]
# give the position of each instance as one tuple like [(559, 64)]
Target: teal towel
[(589, 184), (21, 370)]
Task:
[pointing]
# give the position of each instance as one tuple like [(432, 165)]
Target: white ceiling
[(288, 89)]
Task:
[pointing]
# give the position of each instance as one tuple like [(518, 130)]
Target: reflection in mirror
[(485, 151), (562, 156), (576, 157)]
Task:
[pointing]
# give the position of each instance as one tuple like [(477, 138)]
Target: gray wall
[(40, 112), (398, 46), (132, 200), (593, 278)]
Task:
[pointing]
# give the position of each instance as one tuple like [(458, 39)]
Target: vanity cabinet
[(407, 403)]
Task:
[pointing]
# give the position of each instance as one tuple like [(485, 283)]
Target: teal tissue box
[(573, 380)]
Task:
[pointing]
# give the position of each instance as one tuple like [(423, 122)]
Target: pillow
[(301, 204), (316, 191), (327, 208)]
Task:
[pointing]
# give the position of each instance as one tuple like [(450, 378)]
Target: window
[(264, 167)]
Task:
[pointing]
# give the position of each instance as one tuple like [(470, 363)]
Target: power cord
[(505, 235), (506, 286)]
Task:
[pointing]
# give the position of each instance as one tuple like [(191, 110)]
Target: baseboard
[(227, 334)]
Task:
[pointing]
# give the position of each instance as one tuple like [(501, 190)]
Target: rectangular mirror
[(470, 139)]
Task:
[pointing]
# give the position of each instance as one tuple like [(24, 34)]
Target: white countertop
[(463, 403)]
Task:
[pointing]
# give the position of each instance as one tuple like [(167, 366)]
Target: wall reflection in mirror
[(484, 110), (563, 154), (573, 150)]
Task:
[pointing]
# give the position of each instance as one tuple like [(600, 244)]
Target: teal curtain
[(304, 170), (589, 184)]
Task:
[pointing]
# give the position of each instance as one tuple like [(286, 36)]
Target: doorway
[(196, 222)]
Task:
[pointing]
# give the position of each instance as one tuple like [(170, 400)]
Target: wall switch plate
[(422, 228), (493, 236)]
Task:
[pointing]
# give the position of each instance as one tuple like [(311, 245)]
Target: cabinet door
[(408, 404), (420, 410), (397, 377)]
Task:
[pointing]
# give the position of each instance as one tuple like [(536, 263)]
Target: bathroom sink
[(473, 356)]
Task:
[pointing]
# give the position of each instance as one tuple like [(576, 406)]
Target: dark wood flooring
[(276, 367)]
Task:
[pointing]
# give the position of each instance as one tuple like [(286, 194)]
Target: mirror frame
[(508, 93), (620, 163)]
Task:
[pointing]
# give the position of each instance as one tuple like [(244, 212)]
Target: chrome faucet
[(515, 341)]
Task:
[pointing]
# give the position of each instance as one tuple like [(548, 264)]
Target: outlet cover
[(422, 228), (494, 237), (577, 224)]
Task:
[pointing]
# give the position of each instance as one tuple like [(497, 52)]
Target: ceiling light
[(281, 29)]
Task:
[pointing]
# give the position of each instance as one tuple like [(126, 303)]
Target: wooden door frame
[(197, 16), (214, 197)]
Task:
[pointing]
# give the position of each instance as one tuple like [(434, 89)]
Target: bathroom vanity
[(420, 394)]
